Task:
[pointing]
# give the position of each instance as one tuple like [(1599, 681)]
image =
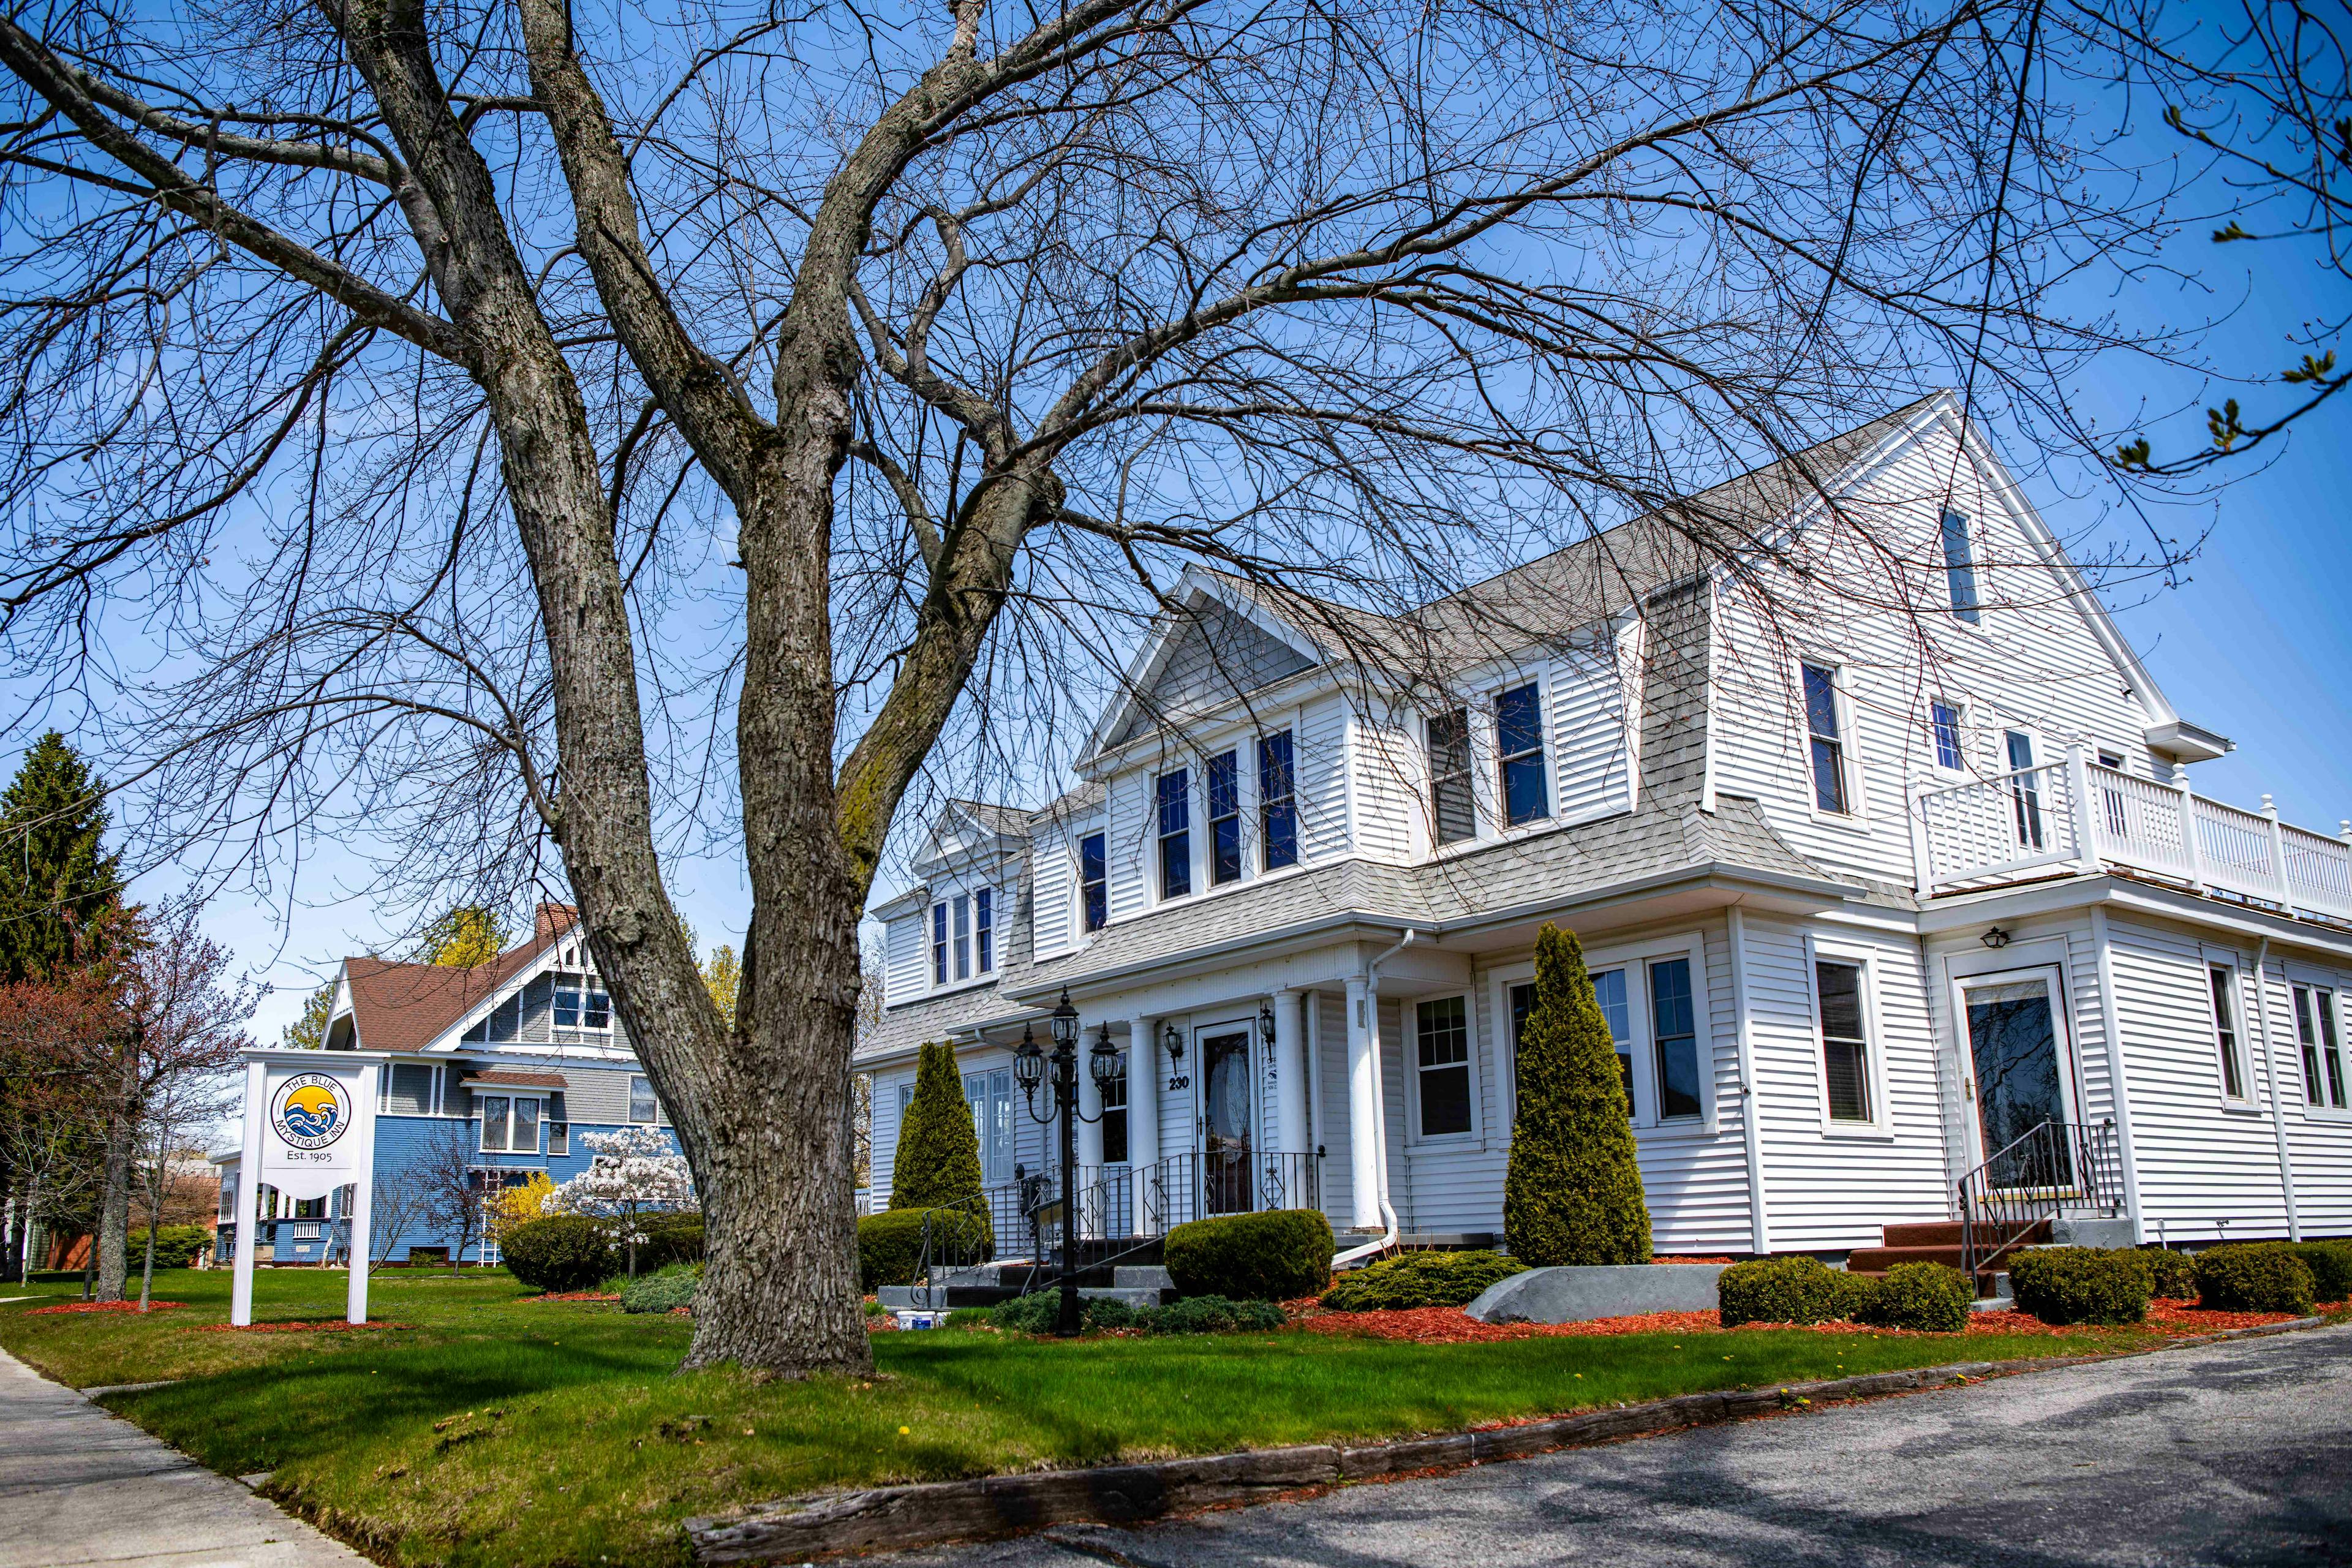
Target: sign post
[(309, 1129)]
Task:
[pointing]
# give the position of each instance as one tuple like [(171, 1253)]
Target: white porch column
[(1363, 1110), (1089, 1135), (1289, 1076), (1142, 1114)]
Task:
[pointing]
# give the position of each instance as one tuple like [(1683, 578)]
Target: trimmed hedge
[(2254, 1277), (2080, 1284), (562, 1252), (671, 1288), (1930, 1296), (1273, 1257), (1799, 1290), (2171, 1275), (673, 1237), (1420, 1280), (1572, 1188), (2330, 1263), (890, 1244), (1037, 1313)]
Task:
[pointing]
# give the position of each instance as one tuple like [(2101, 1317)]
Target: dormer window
[(1277, 801), (964, 936), (983, 926), (1174, 800), (1519, 738), (1224, 818), (1453, 812), (1094, 881)]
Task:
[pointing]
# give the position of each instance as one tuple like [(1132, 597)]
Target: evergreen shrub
[(560, 1253), (177, 1245), (1038, 1313), (1796, 1289), (670, 1288), (1277, 1256), (1930, 1296), (890, 1244), (673, 1237), (937, 1159), (2254, 1277), (2330, 1263), (1572, 1190), (2172, 1274), (2080, 1284), (1420, 1280)]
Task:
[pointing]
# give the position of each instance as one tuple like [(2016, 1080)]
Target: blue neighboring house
[(505, 1066)]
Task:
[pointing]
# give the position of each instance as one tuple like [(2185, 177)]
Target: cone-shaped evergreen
[(1573, 1192), (938, 1154), (56, 883)]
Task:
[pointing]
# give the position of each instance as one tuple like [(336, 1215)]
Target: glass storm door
[(989, 1095), (2021, 1076), (1224, 1061)]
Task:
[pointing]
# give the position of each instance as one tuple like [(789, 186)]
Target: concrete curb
[(896, 1518)]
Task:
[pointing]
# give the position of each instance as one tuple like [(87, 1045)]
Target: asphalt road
[(2235, 1453)]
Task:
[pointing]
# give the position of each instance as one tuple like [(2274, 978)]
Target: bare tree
[(399, 1203), (424, 377), (451, 1192)]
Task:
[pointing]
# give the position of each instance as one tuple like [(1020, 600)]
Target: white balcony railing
[(2077, 815)]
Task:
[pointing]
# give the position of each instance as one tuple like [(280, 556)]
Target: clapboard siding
[(2319, 1148), (1054, 922), (902, 957), (1128, 843), (1319, 760), (886, 1135), (2031, 662), (1384, 773), (1589, 750)]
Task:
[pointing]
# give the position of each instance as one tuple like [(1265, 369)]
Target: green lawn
[(497, 1431)]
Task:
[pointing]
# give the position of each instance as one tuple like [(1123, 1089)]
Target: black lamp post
[(1030, 1062)]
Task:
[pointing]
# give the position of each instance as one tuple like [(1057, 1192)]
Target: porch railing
[(2059, 1168), (2076, 813)]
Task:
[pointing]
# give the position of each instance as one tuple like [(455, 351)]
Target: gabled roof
[(407, 1006)]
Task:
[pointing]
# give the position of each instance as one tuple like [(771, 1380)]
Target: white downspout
[(2111, 1024), (1380, 1108), (2271, 1073)]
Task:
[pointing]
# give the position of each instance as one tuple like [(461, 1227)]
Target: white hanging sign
[(309, 1129)]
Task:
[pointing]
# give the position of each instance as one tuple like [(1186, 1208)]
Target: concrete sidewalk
[(79, 1486)]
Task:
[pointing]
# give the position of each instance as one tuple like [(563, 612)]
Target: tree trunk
[(147, 1270), (112, 1243)]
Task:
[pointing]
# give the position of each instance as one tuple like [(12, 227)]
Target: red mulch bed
[(103, 1307), (577, 1296), (1451, 1325), (330, 1325)]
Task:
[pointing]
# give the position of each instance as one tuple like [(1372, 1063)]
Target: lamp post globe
[(1066, 1024), (1102, 1062), (1029, 1063)]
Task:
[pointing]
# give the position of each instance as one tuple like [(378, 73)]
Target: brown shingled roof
[(503, 1078), (406, 1006)]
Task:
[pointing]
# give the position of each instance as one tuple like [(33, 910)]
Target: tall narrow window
[(558, 1125), (1175, 803), (2024, 790), (983, 928), (1450, 808), (525, 1138), (1094, 881), (1443, 1038), (1827, 739), (1114, 1117), (962, 937), (1845, 1043), (494, 1124), (1944, 724), (1224, 818), (1609, 991), (1518, 739), (1277, 801), (1960, 566), (643, 1106), (2225, 1031), (939, 945), (1674, 1029), (2331, 1053)]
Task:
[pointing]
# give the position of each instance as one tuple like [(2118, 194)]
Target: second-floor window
[(939, 945), (1959, 566), (1094, 881), (1826, 739), (1175, 806), (983, 928), (1452, 808), (643, 1106), (1224, 818), (1277, 801), (1518, 740), (1944, 728), (963, 907), (964, 936), (580, 1002)]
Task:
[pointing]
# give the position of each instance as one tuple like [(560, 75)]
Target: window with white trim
[(1094, 881), (1673, 1034), (1519, 750), (509, 1124), (2323, 1057), (1277, 800), (1825, 737), (2024, 789), (1452, 808), (1442, 1039), (1173, 799), (558, 1125), (1944, 731), (1224, 818), (1609, 995), (984, 930), (643, 1106), (1114, 1117), (939, 945), (1845, 1039), (2224, 988), (1959, 566), (962, 905)]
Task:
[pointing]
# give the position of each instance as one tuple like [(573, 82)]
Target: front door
[(989, 1095), (2017, 1055), (1224, 1062)]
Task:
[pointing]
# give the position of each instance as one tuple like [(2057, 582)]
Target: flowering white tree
[(634, 1173)]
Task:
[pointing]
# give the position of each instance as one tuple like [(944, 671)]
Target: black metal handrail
[(2056, 1168)]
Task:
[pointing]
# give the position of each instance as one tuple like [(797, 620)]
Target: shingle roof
[(505, 1078), (406, 1007), (1547, 870)]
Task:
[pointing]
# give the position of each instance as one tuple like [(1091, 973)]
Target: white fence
[(2077, 815)]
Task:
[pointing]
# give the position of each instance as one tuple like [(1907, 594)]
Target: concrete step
[(1150, 1277), (1136, 1297)]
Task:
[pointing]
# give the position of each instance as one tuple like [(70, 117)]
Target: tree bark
[(112, 1243)]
